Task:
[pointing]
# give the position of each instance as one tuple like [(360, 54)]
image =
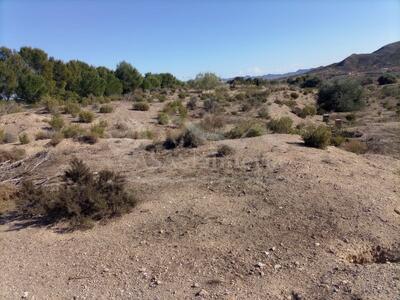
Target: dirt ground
[(274, 220)]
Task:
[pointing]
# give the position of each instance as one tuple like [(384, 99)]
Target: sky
[(185, 37)]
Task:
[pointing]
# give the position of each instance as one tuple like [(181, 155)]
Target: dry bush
[(43, 135), (225, 150), (106, 109), (72, 108), (263, 113), (50, 105), (7, 197), (83, 197), (308, 110), (192, 103), (72, 131), (355, 146), (13, 155), (56, 139), (175, 108), (163, 118), (24, 138), (86, 116), (99, 128), (212, 122), (56, 123), (187, 138), (246, 130), (281, 125), (317, 137), (9, 107), (141, 106)]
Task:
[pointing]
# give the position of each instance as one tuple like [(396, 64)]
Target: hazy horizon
[(230, 38)]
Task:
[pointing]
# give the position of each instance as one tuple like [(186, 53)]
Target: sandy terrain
[(275, 220)]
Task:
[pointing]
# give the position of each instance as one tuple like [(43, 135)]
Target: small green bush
[(351, 117), (281, 125), (175, 108), (163, 118), (337, 140), (294, 95), (50, 105), (72, 131), (317, 137), (141, 106), (24, 138), (99, 129), (246, 130), (72, 108), (86, 116), (106, 109), (56, 123)]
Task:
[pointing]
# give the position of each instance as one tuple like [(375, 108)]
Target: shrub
[(56, 139), (72, 131), (337, 140), (211, 105), (141, 106), (351, 117), (50, 105), (8, 137), (187, 138), (192, 103), (43, 135), (263, 113), (191, 139), (2, 135), (13, 155), (282, 125), (89, 138), (86, 116), (355, 146), (175, 107), (56, 123), (225, 150), (24, 138), (294, 95), (72, 108), (163, 118), (106, 109), (387, 79), (83, 197), (246, 130), (98, 129), (317, 137), (311, 82), (212, 122), (341, 95), (308, 110)]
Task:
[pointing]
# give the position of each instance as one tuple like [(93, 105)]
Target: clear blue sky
[(228, 37)]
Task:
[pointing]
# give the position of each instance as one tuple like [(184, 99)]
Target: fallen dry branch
[(15, 172)]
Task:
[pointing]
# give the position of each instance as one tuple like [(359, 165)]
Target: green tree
[(130, 78), (206, 81), (341, 96), (31, 87), (8, 81), (151, 81), (113, 85)]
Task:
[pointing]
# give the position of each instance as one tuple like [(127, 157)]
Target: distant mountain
[(384, 59), (284, 75)]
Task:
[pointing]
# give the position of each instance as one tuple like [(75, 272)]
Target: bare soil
[(274, 220)]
